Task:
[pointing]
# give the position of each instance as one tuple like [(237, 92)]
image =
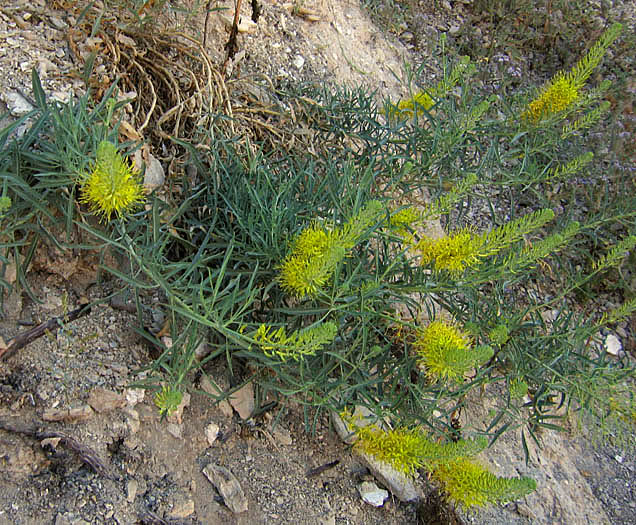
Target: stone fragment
[(613, 345), (132, 420), (131, 490), (228, 486), (245, 25), (402, 487), (177, 415), (207, 385), (202, 350), (282, 435), (154, 176), (299, 62), (134, 396), (17, 104), (372, 494), (58, 23), (102, 400), (243, 401), (68, 415), (182, 507), (176, 431), (212, 432)]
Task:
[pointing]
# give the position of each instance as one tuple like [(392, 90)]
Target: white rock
[(228, 486), (17, 104), (154, 175), (372, 494), (176, 431), (243, 401), (131, 490), (613, 345), (134, 396), (398, 483), (299, 62), (212, 432)]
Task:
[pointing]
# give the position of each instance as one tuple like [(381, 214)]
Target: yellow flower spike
[(470, 484), (565, 88), (114, 186), (453, 253), (446, 353), (298, 344), (317, 251), (403, 219), (557, 96)]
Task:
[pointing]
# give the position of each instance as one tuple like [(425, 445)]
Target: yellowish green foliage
[(499, 335), (403, 221), (5, 204), (399, 448), (564, 89), (167, 400), (317, 250), (518, 388), (449, 198), (499, 239), (469, 484), (113, 187), (298, 344), (562, 172), (446, 353)]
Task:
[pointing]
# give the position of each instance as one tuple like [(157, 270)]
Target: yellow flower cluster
[(416, 104), (113, 186), (316, 252), (446, 353), (311, 262), (465, 482), (400, 448), (296, 345), (453, 253), (565, 88), (401, 221), (168, 400), (470, 484), (557, 96)]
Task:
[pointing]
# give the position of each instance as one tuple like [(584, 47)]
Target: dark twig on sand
[(85, 454), (34, 333)]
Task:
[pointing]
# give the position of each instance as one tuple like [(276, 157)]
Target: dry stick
[(205, 25), (31, 335), (311, 473), (87, 455), (232, 45)]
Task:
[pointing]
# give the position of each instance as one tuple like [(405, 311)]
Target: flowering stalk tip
[(114, 186)]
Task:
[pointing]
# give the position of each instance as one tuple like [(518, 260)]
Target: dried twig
[(232, 44), (34, 333), (311, 473), (85, 454)]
